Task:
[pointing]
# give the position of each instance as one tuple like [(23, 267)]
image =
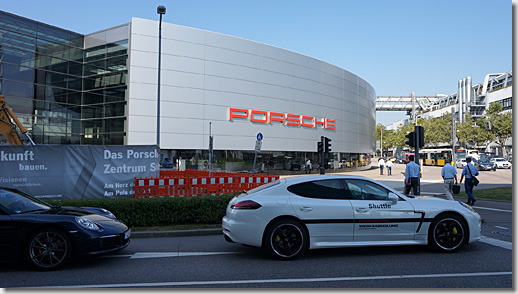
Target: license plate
[(127, 234)]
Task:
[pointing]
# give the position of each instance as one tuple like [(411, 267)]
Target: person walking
[(381, 164), (308, 166), (449, 175), (469, 171), (389, 166), (412, 172)]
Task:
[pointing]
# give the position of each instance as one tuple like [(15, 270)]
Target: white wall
[(204, 73)]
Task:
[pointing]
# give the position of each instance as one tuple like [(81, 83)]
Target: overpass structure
[(470, 98)]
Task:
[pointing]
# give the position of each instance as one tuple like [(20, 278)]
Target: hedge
[(147, 212)]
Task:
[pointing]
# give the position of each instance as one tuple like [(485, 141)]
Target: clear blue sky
[(398, 46)]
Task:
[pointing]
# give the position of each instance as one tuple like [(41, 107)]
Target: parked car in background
[(485, 164), (48, 236), (295, 166), (460, 163), (501, 162)]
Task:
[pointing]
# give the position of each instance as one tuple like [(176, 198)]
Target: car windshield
[(485, 161), (500, 159), (16, 202)]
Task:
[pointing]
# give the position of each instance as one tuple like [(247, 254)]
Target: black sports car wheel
[(286, 239), (48, 249), (447, 233)]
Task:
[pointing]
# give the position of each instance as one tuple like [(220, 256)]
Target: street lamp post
[(160, 10)]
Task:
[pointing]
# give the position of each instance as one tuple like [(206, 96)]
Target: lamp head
[(160, 9)]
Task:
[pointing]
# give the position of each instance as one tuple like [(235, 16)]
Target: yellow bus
[(436, 157)]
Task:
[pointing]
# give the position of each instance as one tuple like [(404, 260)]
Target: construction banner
[(77, 171)]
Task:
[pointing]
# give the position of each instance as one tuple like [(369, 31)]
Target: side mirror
[(393, 198)]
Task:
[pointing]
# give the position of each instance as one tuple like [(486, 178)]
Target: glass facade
[(62, 93)]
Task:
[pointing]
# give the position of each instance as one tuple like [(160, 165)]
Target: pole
[(158, 86), (453, 135), (417, 132), (322, 157), (210, 149), (381, 142)]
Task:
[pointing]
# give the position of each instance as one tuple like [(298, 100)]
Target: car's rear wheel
[(48, 249), (447, 233), (286, 239)]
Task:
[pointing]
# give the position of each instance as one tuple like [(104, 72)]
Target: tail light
[(246, 204)]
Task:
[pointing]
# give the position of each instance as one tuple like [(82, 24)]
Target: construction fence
[(172, 183)]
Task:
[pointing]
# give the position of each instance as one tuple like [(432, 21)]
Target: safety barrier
[(193, 183)]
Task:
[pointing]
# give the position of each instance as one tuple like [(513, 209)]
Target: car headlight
[(87, 224), (108, 213), (467, 206)]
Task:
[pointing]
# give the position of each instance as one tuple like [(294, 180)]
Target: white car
[(501, 162), (460, 163), (291, 215)]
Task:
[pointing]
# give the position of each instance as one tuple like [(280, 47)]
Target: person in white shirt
[(381, 164), (389, 167)]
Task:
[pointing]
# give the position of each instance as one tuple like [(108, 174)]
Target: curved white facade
[(204, 74)]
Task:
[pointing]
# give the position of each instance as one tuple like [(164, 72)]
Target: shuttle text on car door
[(377, 217)]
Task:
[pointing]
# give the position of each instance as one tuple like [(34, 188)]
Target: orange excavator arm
[(7, 127)]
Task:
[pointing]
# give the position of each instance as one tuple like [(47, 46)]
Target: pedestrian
[(412, 172), (381, 164), (449, 175), (308, 166), (389, 166), (469, 171)]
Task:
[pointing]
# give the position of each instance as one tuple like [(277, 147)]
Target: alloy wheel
[(49, 249), (287, 240), (448, 234)]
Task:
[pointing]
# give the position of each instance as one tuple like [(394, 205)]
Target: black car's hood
[(65, 210), (85, 213)]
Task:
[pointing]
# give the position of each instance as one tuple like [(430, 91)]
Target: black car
[(48, 236), (484, 164)]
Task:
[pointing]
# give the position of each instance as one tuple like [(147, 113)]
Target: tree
[(500, 125), (472, 133), (437, 130)]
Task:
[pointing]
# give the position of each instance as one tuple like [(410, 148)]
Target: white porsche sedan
[(291, 215)]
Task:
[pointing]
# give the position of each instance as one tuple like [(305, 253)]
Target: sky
[(398, 46)]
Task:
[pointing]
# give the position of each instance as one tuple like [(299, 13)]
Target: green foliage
[(147, 212)]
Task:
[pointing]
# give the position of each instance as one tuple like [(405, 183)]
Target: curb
[(184, 233)]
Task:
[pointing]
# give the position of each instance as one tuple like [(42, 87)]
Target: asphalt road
[(210, 262)]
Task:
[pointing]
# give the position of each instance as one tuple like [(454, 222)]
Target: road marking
[(303, 280), (503, 228), (141, 255), (493, 209), (175, 254), (496, 242)]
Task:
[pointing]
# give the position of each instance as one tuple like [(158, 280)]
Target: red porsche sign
[(270, 117)]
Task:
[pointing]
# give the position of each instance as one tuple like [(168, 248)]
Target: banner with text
[(77, 171)]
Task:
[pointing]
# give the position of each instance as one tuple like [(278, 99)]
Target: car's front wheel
[(286, 239), (48, 249), (447, 233)]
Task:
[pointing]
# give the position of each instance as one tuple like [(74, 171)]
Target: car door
[(376, 218), (8, 236), (324, 208)]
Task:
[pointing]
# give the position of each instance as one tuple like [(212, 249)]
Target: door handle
[(306, 208), (362, 209)]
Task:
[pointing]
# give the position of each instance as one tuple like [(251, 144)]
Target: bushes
[(147, 212)]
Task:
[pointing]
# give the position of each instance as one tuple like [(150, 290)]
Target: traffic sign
[(259, 137), (258, 146)]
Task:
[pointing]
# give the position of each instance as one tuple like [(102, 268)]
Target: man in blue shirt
[(469, 171), (449, 173), (412, 172)]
